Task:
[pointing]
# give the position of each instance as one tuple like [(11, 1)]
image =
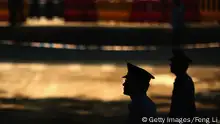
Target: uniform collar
[(138, 98)]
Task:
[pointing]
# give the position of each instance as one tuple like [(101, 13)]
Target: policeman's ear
[(184, 67)]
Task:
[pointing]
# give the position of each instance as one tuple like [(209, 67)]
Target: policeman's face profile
[(172, 67), (147, 85), (176, 67), (130, 89), (127, 86)]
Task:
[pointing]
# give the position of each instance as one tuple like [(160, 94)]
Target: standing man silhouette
[(16, 14), (183, 96), (178, 24), (136, 85)]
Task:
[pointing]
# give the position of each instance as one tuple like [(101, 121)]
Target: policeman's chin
[(171, 70), (126, 93)]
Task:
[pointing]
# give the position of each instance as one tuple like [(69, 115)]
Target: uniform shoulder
[(188, 78), (189, 82)]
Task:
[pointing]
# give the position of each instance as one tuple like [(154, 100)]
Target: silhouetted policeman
[(16, 14), (183, 96), (178, 22), (136, 85)]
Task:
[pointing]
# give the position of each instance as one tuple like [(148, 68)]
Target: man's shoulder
[(186, 82), (150, 105), (150, 101), (146, 104), (185, 78), (189, 79)]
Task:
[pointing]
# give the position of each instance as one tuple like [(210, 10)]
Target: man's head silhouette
[(136, 81), (179, 62)]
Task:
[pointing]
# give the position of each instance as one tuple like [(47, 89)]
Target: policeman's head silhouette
[(179, 62), (137, 80)]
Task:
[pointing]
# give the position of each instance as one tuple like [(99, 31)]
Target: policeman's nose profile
[(124, 82)]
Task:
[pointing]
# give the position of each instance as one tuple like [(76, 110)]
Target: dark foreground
[(73, 111)]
